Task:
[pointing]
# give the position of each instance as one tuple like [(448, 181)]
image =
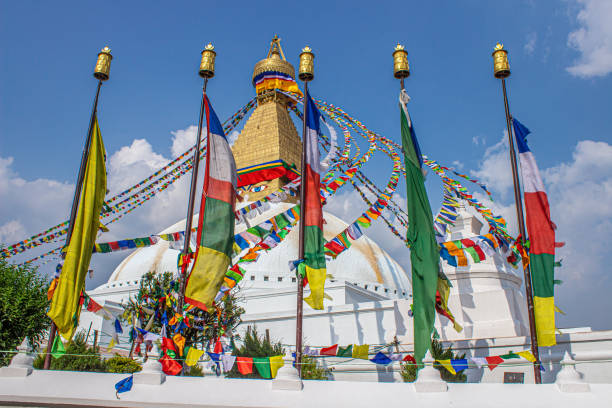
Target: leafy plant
[(311, 370), (120, 364), (409, 372), (255, 345), (195, 371), (23, 306), (79, 357)]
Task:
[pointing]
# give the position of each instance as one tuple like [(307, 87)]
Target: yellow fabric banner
[(276, 362), (65, 307), (361, 351), (544, 311), (316, 281)]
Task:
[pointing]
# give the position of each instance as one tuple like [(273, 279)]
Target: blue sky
[(560, 55)]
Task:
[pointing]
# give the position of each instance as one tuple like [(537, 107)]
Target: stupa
[(370, 296)]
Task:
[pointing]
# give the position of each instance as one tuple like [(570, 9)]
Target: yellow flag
[(361, 351), (65, 307), (527, 355), (276, 362), (447, 364), (193, 355)]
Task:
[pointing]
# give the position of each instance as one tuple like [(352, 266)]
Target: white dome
[(365, 263)]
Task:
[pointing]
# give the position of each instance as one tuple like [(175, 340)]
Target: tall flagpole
[(501, 69), (207, 70), (101, 73), (306, 74)]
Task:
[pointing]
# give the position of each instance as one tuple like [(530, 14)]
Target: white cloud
[(593, 39), (494, 169), (579, 192), (183, 140), (457, 164), (530, 43)]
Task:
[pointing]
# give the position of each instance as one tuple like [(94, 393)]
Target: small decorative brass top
[(401, 69), (501, 67), (102, 69), (207, 63), (306, 70)]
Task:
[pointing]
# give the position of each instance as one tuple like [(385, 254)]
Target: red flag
[(245, 365), (218, 347), (170, 366), (329, 351), (494, 361)]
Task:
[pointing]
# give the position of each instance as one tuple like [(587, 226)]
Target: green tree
[(23, 306), (408, 370), (311, 370), (79, 357)]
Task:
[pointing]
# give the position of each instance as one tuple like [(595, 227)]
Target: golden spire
[(274, 61)]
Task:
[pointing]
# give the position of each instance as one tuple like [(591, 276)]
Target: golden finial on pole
[(501, 68), (306, 71), (401, 69), (207, 64), (102, 70)]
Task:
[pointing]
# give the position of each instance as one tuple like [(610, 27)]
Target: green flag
[(424, 253), (65, 306), (57, 350)]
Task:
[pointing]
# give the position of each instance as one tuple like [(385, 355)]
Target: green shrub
[(23, 306), (409, 373), (120, 364), (311, 370), (195, 371), (79, 357)]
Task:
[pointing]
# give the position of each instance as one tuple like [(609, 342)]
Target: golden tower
[(269, 134)]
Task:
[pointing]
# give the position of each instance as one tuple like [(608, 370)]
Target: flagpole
[(101, 73), (306, 74), (207, 70), (502, 71)]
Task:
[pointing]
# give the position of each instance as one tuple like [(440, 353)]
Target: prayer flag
[(276, 362), (245, 365), (227, 362), (459, 364), (262, 364), (329, 351), (65, 305), (193, 356), (216, 222), (542, 238), (494, 361), (424, 255), (527, 355), (381, 358), (314, 252), (124, 385), (345, 351), (447, 364), (57, 350), (361, 351)]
